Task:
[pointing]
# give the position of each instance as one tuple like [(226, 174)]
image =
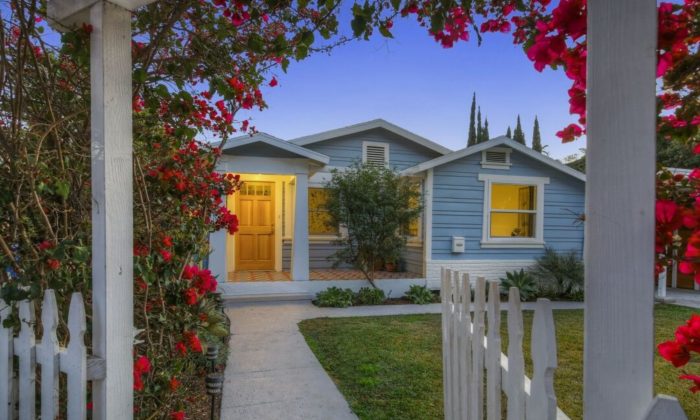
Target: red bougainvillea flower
[(190, 296), (141, 367), (177, 415), (668, 213), (181, 348), (53, 264), (273, 82), (167, 256), (696, 381), (193, 341), (689, 334), (570, 133), (44, 245), (674, 352), (167, 241), (174, 383)]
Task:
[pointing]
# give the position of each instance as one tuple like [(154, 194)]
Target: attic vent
[(496, 158), (375, 153)]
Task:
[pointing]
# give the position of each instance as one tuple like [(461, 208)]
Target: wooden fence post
[(542, 404), (6, 371), (25, 350), (515, 380), (476, 404), (493, 354), (47, 355), (621, 135), (112, 209)]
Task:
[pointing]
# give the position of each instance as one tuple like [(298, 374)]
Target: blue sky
[(413, 82)]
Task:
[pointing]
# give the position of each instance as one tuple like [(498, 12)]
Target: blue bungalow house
[(488, 208)]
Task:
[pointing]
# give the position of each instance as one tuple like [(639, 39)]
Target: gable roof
[(276, 143), (498, 141), (369, 125)]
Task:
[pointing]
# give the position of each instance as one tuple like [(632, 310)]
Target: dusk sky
[(413, 82)]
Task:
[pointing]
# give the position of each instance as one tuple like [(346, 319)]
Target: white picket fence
[(18, 380), (469, 349)]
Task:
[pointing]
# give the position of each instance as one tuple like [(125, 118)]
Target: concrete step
[(267, 291)]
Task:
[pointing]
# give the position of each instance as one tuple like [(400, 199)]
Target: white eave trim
[(498, 141), (369, 125), (278, 143)]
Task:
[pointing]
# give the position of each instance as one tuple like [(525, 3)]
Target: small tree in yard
[(375, 205)]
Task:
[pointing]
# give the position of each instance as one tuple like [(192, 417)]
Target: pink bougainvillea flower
[(674, 352), (141, 367), (44, 245), (167, 241), (273, 82), (696, 380)]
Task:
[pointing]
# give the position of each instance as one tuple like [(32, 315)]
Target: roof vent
[(496, 158), (375, 153)]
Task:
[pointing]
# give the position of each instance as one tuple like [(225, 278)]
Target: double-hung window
[(513, 211)]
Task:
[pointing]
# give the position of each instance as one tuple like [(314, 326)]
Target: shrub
[(370, 296), (375, 204), (334, 297), (560, 275), (420, 295), (521, 280)]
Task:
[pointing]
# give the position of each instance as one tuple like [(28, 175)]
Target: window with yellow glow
[(319, 218), (413, 228), (513, 211)]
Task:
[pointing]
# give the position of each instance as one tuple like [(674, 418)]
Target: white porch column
[(300, 244), (218, 258), (619, 323), (112, 210)]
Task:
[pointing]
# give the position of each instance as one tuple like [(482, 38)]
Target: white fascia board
[(369, 125), (278, 143), (499, 141)]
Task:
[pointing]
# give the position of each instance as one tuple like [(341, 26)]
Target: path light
[(214, 382), (212, 355)]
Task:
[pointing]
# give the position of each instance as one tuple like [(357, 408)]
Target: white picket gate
[(18, 380), (468, 350)]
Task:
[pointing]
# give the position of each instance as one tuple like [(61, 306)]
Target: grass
[(390, 367)]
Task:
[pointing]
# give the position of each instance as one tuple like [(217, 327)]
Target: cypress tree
[(479, 128), (518, 134), (471, 140), (486, 130), (536, 138), (508, 133)]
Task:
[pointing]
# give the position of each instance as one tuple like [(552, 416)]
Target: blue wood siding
[(458, 208), (345, 150)]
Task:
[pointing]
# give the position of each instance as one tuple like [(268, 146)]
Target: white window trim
[(378, 144), (496, 165), (538, 240)]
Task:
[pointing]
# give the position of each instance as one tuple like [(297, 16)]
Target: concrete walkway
[(272, 373), (684, 297)]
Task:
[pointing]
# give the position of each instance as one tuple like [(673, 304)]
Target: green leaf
[(359, 25), (140, 76), (302, 52), (307, 38), (385, 32), (62, 188)]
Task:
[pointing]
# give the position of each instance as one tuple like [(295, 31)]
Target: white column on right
[(619, 324), (300, 244)]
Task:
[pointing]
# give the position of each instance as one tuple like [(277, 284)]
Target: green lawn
[(390, 367)]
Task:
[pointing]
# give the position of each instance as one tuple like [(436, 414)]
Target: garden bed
[(391, 366)]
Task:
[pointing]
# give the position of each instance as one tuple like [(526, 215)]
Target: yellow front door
[(255, 239)]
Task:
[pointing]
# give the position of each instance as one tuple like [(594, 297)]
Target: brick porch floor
[(330, 274)]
